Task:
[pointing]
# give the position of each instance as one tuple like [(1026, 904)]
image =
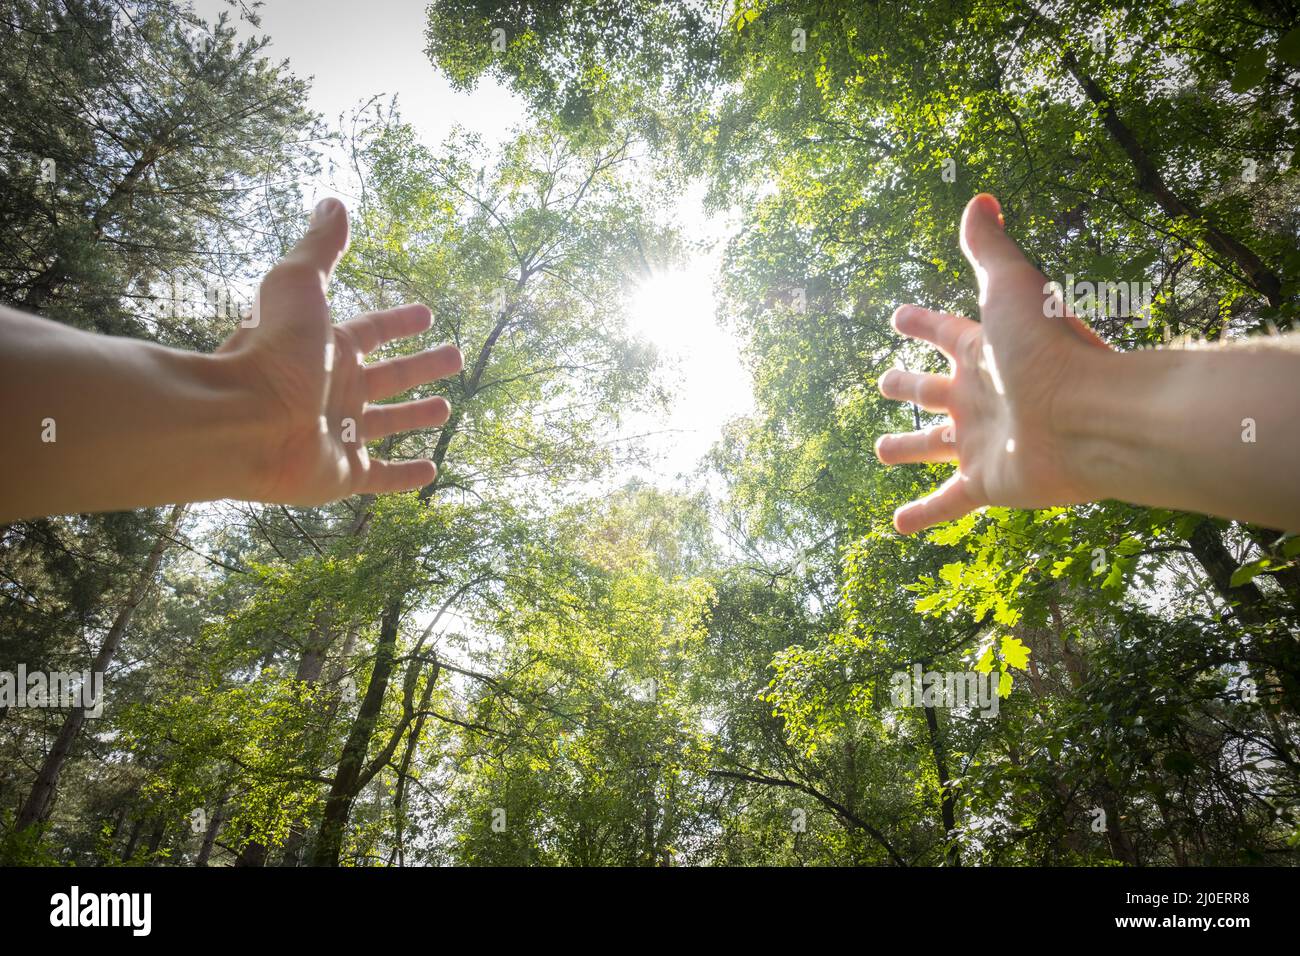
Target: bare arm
[(1213, 430), (1042, 413), (279, 413)]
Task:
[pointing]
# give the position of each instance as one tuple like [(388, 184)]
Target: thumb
[(324, 242), (984, 241)]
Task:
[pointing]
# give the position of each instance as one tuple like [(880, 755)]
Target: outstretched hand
[(311, 379), (1009, 374)]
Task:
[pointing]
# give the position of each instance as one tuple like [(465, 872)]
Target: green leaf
[(1015, 653), (1252, 67), (952, 572), (1115, 577), (1247, 572), (1288, 48), (1179, 762), (1128, 547), (1186, 525), (1005, 614), (928, 603), (954, 531)]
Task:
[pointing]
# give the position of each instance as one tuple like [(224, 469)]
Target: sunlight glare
[(676, 312)]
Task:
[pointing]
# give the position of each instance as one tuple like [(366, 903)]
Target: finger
[(941, 329), (322, 245), (937, 443), (395, 376), (373, 329), (378, 421), (928, 391), (951, 501), (986, 244), (984, 240), (388, 476)]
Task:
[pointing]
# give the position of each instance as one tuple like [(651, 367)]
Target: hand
[(309, 380), (1011, 373)]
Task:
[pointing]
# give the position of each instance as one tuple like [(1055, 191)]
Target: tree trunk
[(1271, 641), (404, 772), (1256, 274), (348, 778), (1121, 848), (38, 802), (948, 803), (351, 774), (133, 840), (292, 852), (48, 282), (156, 840), (210, 834)]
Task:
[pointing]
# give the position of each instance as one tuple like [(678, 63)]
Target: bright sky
[(353, 50), (676, 311)]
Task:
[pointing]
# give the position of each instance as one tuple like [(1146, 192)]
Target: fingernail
[(323, 208), (998, 204)]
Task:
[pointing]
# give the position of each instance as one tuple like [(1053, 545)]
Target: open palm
[(314, 387), (1008, 372)]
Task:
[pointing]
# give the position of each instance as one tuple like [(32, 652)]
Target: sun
[(676, 311), (666, 308)]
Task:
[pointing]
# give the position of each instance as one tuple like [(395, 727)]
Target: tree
[(158, 162), (1143, 149)]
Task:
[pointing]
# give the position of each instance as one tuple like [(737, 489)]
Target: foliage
[(518, 665)]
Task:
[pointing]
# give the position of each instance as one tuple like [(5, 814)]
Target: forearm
[(94, 423), (1212, 430)]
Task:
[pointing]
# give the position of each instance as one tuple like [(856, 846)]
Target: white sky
[(380, 47)]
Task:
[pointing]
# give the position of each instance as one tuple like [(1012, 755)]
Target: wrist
[(235, 435), (1120, 424)]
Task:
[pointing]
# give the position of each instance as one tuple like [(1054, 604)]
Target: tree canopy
[(508, 667)]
